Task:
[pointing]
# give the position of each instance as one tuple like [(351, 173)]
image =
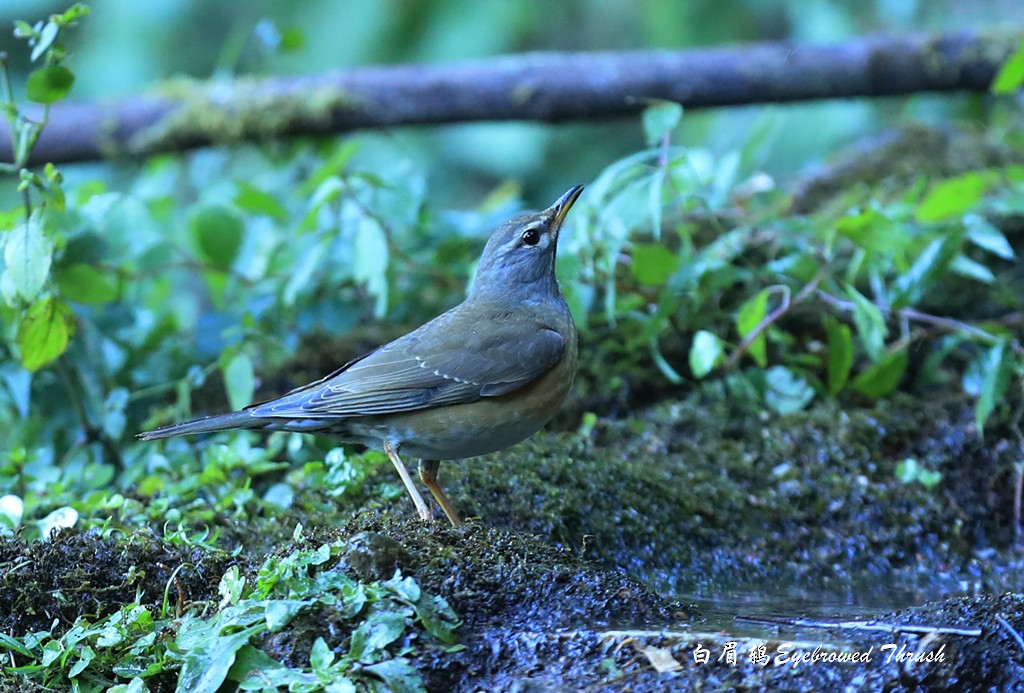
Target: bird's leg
[(417, 499), (428, 475)]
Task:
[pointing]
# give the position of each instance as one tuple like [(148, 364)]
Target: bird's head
[(521, 253)]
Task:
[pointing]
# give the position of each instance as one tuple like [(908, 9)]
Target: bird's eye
[(531, 236)]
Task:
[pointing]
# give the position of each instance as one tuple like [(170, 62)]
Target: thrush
[(478, 378)]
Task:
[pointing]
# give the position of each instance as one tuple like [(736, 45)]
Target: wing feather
[(415, 372)]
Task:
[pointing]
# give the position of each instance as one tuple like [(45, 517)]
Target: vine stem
[(92, 433), (914, 315), (775, 315)]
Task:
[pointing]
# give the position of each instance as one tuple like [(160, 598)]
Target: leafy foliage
[(1010, 77), (875, 263)]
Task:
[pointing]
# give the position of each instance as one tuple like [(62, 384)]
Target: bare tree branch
[(538, 86)]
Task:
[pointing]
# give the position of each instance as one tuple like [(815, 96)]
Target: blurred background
[(265, 247), (127, 47)]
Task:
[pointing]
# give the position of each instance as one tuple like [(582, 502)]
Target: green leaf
[(47, 35), (333, 166), (28, 255), (321, 656), (15, 645), (906, 470), (218, 232), (661, 119), (870, 323), (208, 647), (932, 262), (255, 201), (438, 618), (252, 663), (49, 84), (874, 231), (113, 412), (280, 612), (883, 377), (987, 237), (134, 686), (397, 675), (371, 262), (1010, 76), (86, 284), (45, 332), (240, 381), (966, 267), (86, 655), (380, 629), (404, 587), (292, 39), (910, 470), (652, 263), (785, 392), (748, 317), (231, 586), (73, 13), (670, 373), (704, 353), (953, 197), (311, 250), (23, 29), (840, 354), (802, 267), (994, 365), (929, 478), (52, 651)]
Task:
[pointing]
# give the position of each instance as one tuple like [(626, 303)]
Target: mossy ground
[(694, 496), (699, 496)]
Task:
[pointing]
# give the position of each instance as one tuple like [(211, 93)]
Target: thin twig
[(179, 608), (92, 433), (8, 96), (1018, 476), (863, 625), (775, 315), (949, 324), (26, 199), (389, 232), (1014, 633), (1018, 490)]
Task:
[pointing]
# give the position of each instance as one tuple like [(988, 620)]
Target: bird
[(479, 378)]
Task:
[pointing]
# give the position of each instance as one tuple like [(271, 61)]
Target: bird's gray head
[(520, 255)]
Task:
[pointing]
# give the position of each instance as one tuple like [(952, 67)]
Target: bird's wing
[(416, 372)]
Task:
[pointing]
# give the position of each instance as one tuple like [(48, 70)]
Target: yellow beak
[(562, 206)]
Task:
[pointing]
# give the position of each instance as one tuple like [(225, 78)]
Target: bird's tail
[(220, 422)]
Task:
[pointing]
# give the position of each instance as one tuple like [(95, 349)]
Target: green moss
[(78, 574), (887, 165), (701, 495), (242, 108)]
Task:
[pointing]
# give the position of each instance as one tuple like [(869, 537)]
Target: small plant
[(910, 470), (674, 251), (208, 645)]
